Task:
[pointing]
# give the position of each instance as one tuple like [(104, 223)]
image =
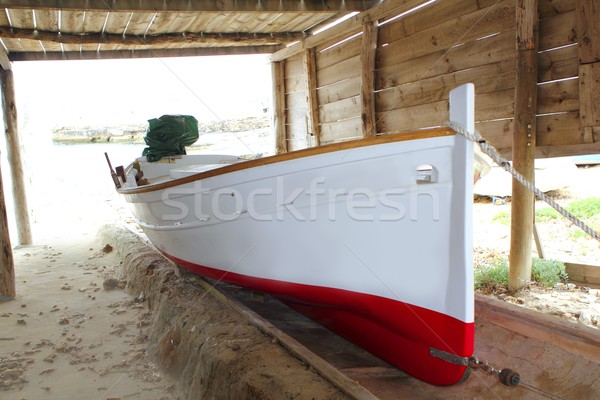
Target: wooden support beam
[(247, 39), (388, 8), (310, 71), (9, 111), (279, 112), (192, 6), (7, 267), (367, 88), (523, 154), (150, 53), (5, 63), (588, 30)]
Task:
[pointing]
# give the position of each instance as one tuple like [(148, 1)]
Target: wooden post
[(278, 73), (9, 110), (367, 55), (523, 151), (310, 70), (7, 267)]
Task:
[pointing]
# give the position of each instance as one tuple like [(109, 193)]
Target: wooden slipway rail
[(556, 359)]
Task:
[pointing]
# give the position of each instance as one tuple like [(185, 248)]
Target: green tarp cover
[(168, 136)]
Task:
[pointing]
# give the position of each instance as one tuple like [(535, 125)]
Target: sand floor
[(72, 332)]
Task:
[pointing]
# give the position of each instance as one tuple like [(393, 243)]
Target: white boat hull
[(372, 240)]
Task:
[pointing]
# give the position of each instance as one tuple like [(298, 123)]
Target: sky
[(112, 92)]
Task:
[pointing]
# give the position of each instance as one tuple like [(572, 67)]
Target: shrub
[(494, 277)]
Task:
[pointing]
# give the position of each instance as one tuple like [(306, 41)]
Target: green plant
[(494, 276), (585, 208), (548, 272), (545, 214), (503, 217)]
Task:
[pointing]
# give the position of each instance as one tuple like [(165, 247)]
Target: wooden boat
[(371, 238)]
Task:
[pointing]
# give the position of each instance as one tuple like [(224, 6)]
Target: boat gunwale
[(292, 155)]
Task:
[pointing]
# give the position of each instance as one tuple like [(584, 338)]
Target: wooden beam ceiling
[(194, 6), (226, 39)]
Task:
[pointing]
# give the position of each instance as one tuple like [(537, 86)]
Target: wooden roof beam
[(149, 53), (194, 6), (249, 39)]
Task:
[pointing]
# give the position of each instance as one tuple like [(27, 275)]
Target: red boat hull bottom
[(399, 333)]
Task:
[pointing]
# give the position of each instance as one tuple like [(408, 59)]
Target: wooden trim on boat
[(312, 151)]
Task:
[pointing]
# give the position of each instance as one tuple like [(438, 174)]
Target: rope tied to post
[(506, 165)]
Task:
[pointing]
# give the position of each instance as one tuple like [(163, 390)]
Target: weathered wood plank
[(339, 53), (297, 129), (574, 338), (296, 118), (412, 118), (495, 105), (340, 130), (550, 8), (348, 27), (47, 20), (293, 67), (499, 134), (591, 134), (557, 31), (559, 129), (589, 94), (346, 69), (588, 30), (558, 96), (296, 100), (146, 52), (343, 109), (497, 18), (279, 114), (567, 150), (367, 55), (583, 273), (558, 64), (21, 18), (486, 78), (295, 84), (339, 90), (470, 55), (194, 6), (108, 38), (432, 15), (310, 69)]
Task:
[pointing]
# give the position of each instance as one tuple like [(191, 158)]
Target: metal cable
[(505, 164)]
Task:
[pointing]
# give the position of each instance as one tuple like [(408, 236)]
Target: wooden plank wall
[(421, 56)]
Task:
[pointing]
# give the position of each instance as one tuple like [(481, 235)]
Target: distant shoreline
[(134, 133)]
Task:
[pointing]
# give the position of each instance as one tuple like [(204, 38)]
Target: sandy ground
[(73, 332)]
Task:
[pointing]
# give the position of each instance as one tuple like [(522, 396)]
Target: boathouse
[(348, 69)]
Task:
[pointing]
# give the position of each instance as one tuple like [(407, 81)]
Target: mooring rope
[(506, 165)]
